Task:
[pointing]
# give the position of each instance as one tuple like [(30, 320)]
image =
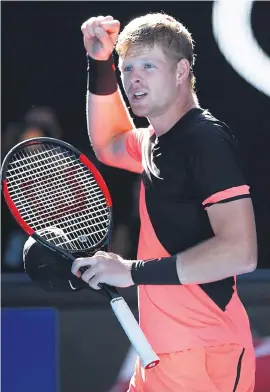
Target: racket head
[(49, 184)]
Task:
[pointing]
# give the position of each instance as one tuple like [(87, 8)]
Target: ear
[(182, 71)]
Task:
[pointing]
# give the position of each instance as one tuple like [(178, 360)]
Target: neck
[(162, 123)]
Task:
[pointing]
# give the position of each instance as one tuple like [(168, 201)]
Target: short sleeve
[(214, 166), (134, 141)]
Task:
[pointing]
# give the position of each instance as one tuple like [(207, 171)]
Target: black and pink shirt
[(196, 165)]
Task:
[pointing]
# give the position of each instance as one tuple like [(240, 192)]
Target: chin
[(140, 111)]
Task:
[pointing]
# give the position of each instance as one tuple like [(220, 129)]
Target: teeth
[(138, 94)]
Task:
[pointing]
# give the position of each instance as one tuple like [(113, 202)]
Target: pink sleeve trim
[(227, 194)]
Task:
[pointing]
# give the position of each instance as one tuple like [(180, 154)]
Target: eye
[(148, 65), (127, 68)]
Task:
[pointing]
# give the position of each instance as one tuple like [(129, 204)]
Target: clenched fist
[(99, 36), (106, 268)]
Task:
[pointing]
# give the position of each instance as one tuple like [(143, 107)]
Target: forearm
[(107, 116), (212, 260)]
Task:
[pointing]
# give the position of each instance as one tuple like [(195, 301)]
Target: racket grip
[(133, 331)]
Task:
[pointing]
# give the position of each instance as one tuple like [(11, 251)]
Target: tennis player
[(197, 223)]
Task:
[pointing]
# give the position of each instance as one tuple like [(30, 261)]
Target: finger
[(91, 29), (111, 26), (108, 17), (87, 27), (82, 262), (99, 19), (94, 282), (96, 22), (101, 253), (102, 35), (92, 23), (89, 274), (85, 32)]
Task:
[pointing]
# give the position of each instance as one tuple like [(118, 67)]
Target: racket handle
[(133, 331)]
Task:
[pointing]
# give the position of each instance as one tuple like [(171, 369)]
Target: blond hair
[(158, 29)]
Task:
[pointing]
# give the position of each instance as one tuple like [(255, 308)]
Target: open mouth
[(138, 96)]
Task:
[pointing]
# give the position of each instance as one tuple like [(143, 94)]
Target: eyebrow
[(142, 60)]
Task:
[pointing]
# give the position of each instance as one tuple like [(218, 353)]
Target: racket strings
[(52, 198), (51, 188)]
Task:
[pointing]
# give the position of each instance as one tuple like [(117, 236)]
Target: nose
[(136, 77)]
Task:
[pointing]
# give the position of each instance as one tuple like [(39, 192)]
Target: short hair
[(158, 29)]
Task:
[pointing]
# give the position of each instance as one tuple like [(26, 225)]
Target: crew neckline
[(181, 123)]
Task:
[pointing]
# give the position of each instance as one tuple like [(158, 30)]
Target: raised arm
[(108, 119)]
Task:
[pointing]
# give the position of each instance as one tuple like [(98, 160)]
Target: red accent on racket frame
[(152, 364), (15, 211), (98, 178)]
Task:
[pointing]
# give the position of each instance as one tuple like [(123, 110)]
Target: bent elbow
[(249, 264), (249, 256), (253, 257), (253, 264), (101, 156)]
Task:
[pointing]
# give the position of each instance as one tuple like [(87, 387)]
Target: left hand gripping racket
[(47, 183)]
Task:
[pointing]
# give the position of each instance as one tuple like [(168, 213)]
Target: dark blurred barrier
[(92, 344)]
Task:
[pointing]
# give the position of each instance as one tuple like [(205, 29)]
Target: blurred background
[(63, 343)]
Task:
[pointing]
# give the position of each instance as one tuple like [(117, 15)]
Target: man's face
[(150, 81)]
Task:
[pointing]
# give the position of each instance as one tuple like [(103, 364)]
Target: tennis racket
[(47, 183)]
